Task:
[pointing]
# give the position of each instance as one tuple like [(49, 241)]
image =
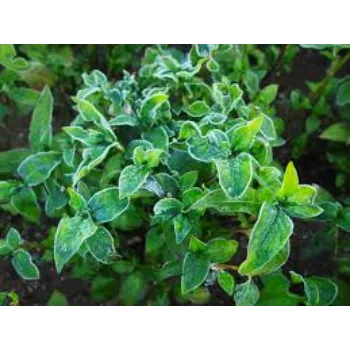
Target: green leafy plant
[(164, 186)]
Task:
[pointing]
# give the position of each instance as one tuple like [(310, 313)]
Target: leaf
[(87, 137), (338, 132), (6, 190), (24, 266), (276, 291), (213, 146), (158, 138), (92, 157), (226, 282), (4, 248), (40, 132), (133, 289), (290, 182), (194, 272), (182, 227), (24, 202), (57, 299), (155, 240), (70, 235), (188, 180), (91, 114), (269, 236), (196, 245), (13, 239), (319, 291), (268, 94), (198, 109), (105, 205), (220, 250), (150, 106), (77, 201), (131, 179), (246, 294), (243, 136), (301, 203), (37, 168), (343, 94), (235, 175), (56, 197), (10, 160), (101, 246)]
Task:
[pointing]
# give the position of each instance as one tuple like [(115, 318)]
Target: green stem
[(336, 65), (32, 245), (336, 242)]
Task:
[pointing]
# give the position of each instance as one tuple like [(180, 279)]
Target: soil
[(308, 66)]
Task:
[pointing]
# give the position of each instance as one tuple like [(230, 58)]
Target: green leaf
[(10, 160), (90, 114), (276, 291), (77, 201), (24, 266), (182, 227), (5, 249), (188, 180), (290, 182), (300, 204), (3, 298), (243, 136), (37, 168), (86, 137), (167, 208), (101, 246), (24, 202), (131, 179), (40, 132), (246, 294), (6, 190), (13, 239), (105, 205), (343, 94), (198, 109), (155, 240), (158, 138), (196, 245), (235, 175), (7, 51), (319, 291), (70, 235), (214, 145), (57, 299), (133, 289), (268, 94), (150, 106), (338, 132), (269, 236), (56, 197), (220, 250), (226, 282), (194, 272)]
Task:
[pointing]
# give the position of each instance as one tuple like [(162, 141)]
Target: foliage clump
[(164, 186)]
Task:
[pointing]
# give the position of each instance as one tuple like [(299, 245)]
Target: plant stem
[(32, 245), (226, 267), (336, 65), (244, 231), (276, 66)]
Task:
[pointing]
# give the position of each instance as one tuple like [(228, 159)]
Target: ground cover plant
[(161, 186)]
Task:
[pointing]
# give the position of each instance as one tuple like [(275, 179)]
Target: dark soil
[(313, 168)]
